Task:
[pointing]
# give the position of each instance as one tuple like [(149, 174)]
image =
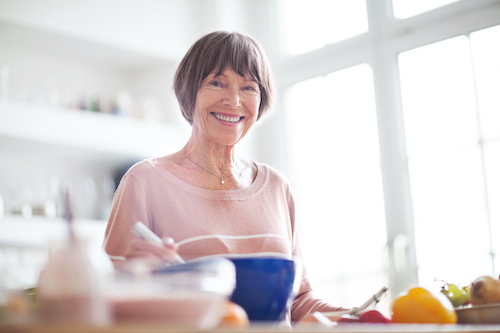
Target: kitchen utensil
[(145, 233), (371, 301), (68, 214)]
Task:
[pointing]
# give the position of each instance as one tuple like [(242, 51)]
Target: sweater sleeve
[(129, 206), (306, 302)]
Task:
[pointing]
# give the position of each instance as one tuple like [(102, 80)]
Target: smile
[(226, 118)]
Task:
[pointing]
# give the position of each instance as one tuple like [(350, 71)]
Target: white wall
[(154, 35), (59, 52)]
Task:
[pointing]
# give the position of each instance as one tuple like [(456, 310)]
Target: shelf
[(100, 136), (35, 57), (24, 244), (42, 145), (36, 232), (44, 42)]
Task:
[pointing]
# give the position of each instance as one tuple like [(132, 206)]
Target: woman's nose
[(232, 96)]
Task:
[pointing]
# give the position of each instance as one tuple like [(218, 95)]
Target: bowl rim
[(479, 307), (262, 259)]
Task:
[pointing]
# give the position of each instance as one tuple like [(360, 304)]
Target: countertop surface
[(345, 328)]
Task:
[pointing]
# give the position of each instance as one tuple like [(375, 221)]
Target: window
[(453, 163), (395, 136), (407, 8), (333, 136), (309, 25), (486, 55)]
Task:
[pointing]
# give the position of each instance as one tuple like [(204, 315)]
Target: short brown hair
[(215, 51)]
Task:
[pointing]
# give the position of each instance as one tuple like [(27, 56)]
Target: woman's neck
[(216, 159)]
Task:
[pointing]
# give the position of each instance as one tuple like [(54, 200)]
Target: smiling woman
[(227, 106), (218, 51), (212, 201)]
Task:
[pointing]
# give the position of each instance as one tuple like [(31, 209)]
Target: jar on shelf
[(70, 288)]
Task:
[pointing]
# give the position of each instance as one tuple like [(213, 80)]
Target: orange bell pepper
[(420, 305)]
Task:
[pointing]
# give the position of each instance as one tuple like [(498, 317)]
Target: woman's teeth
[(225, 118)]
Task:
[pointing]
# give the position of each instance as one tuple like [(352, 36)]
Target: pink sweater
[(255, 221)]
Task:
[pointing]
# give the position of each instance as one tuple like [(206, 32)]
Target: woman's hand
[(325, 318), (151, 253)]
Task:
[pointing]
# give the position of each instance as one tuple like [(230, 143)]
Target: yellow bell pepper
[(420, 305)]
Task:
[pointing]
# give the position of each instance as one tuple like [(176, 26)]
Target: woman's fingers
[(169, 243), (173, 247), (142, 248), (139, 248)]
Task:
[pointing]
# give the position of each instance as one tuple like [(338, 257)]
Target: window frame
[(379, 48)]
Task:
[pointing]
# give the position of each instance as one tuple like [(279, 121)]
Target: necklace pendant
[(222, 180)]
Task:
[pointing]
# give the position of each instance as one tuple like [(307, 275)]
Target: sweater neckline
[(254, 188)]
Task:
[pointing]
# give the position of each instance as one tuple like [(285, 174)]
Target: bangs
[(241, 55)]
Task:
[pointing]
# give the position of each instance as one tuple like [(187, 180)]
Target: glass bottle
[(70, 287)]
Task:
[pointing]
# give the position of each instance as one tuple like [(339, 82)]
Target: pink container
[(190, 295)]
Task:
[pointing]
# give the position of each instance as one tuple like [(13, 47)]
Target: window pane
[(449, 209), (309, 25), (497, 265), (406, 8), (438, 97), (337, 181), (486, 56), (445, 160), (492, 166), (460, 272)]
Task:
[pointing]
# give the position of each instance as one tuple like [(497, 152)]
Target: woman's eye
[(215, 83), (250, 89)]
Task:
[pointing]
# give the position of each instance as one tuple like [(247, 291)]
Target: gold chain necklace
[(213, 174)]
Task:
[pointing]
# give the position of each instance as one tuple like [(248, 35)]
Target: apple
[(373, 316), (485, 290), (348, 318)]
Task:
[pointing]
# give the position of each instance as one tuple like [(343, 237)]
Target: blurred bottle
[(123, 104), (70, 288)]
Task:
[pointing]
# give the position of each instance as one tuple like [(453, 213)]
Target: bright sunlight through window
[(406, 8), (486, 55), (310, 25), (449, 153), (333, 137)]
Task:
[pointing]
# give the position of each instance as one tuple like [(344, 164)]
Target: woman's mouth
[(227, 118)]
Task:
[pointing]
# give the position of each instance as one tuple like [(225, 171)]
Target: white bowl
[(479, 314), (188, 295), (178, 309)]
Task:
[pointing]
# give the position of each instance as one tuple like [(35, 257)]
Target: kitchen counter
[(344, 328)]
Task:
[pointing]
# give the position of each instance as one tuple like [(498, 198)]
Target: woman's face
[(226, 107)]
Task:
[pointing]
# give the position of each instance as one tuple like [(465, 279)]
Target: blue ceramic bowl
[(265, 287)]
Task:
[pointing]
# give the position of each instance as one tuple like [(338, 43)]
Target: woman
[(210, 200)]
